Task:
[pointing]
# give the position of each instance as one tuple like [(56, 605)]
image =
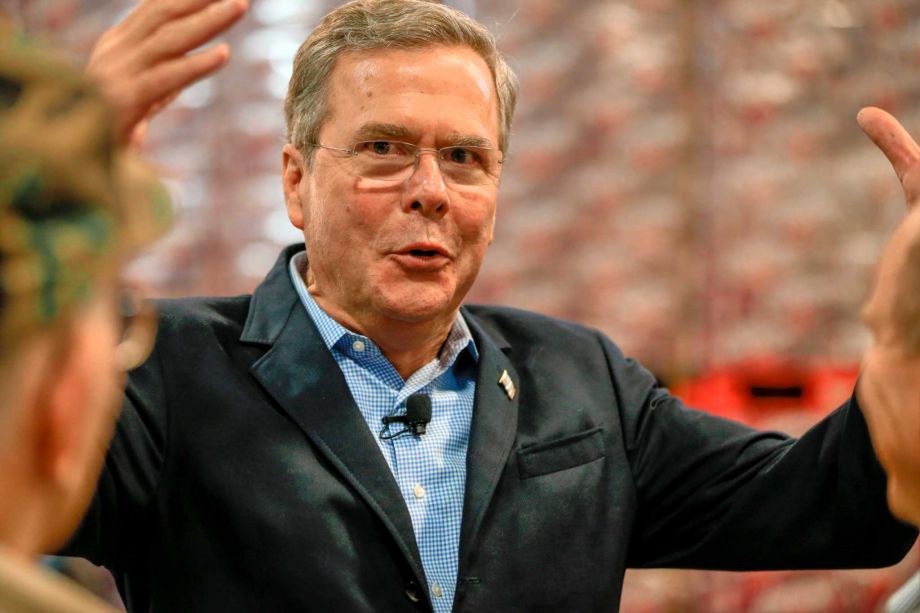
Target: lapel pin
[(507, 385)]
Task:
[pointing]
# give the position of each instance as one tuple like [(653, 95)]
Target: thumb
[(898, 146), (891, 137)]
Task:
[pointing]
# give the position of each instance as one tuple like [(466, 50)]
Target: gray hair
[(363, 25)]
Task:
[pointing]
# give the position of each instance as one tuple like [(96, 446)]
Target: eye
[(381, 148), (464, 156)]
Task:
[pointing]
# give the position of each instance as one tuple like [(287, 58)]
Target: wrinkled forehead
[(382, 85), (455, 62)]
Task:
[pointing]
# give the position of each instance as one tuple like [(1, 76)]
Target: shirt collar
[(335, 334)]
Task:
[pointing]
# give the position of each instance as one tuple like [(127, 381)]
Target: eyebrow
[(370, 131), (469, 140), (382, 130)]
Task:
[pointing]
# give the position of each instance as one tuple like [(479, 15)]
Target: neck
[(407, 345)]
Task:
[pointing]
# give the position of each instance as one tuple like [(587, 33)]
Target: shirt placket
[(415, 457), (411, 458)]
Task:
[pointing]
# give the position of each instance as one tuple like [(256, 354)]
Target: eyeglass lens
[(395, 161)]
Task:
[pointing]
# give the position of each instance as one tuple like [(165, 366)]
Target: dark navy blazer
[(243, 478)]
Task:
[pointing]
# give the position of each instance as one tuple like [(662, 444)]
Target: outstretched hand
[(898, 146), (144, 62)]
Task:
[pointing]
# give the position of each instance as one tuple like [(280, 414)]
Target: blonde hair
[(363, 25)]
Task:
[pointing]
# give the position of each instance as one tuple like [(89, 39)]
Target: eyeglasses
[(392, 161), (138, 329)]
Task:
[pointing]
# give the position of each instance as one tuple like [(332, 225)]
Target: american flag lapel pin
[(507, 385)]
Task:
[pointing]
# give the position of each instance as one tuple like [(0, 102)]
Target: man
[(271, 456), (72, 208)]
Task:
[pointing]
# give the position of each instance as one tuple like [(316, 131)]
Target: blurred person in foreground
[(254, 469), (73, 207)]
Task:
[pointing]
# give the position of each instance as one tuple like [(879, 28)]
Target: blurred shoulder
[(186, 315)]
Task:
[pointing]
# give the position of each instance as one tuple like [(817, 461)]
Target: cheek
[(353, 208), (475, 220)]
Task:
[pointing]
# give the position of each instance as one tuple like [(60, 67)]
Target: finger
[(138, 136), (891, 137), (168, 78), (181, 36), (162, 104), (143, 98), (150, 15)]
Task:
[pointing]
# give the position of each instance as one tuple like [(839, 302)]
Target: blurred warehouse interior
[(687, 177)]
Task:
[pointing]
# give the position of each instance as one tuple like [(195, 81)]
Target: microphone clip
[(416, 418)]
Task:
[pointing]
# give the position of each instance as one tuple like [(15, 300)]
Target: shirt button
[(358, 345), (436, 590), (419, 491)]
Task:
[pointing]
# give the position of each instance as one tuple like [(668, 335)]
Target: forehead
[(429, 91)]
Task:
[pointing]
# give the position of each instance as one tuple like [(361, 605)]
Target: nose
[(425, 189)]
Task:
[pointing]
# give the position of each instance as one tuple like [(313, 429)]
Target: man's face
[(889, 387), (365, 237)]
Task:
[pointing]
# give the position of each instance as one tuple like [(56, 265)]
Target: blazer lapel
[(492, 433), (303, 377)]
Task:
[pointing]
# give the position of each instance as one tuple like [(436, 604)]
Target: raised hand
[(897, 145), (889, 385), (144, 62)]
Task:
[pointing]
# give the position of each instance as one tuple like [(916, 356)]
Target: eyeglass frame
[(353, 153)]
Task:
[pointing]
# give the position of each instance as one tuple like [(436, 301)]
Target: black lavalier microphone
[(417, 417)]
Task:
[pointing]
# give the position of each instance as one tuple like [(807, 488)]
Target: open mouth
[(423, 257)]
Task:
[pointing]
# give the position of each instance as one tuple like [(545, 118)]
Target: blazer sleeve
[(109, 533), (715, 494)]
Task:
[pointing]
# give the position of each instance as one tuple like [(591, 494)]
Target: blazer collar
[(271, 302), (302, 376), (492, 433)]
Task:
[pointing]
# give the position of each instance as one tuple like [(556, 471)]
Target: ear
[(65, 390), (294, 181)]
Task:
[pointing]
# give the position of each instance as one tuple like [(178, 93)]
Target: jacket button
[(412, 591)]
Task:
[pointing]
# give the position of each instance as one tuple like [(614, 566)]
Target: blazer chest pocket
[(568, 452)]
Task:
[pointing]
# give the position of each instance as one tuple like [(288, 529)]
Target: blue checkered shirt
[(430, 469)]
